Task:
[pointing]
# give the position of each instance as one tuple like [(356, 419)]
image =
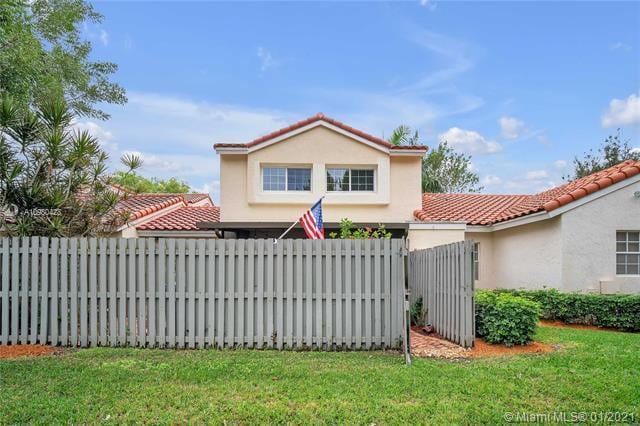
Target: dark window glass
[(298, 179)]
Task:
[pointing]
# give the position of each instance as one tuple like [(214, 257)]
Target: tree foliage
[(348, 231), (43, 56), (613, 150), (443, 169), (53, 178), (136, 183)]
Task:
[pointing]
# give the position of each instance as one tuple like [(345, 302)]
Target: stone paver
[(435, 347)]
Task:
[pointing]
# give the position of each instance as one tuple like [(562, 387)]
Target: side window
[(476, 261), (628, 253)]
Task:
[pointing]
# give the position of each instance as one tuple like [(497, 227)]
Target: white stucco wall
[(427, 238), (589, 242), (574, 251)]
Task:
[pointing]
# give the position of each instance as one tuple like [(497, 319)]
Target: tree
[(613, 151), (42, 56), (137, 183), (53, 179), (443, 169)]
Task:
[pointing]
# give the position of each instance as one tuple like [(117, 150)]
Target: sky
[(522, 87)]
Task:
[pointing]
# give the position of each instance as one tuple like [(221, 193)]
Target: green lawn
[(596, 371)]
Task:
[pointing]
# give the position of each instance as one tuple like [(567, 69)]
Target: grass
[(595, 371)]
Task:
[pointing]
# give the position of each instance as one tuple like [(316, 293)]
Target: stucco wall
[(396, 196), (427, 238), (589, 242), (486, 264), (527, 256)]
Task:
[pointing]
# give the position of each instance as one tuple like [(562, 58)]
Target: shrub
[(505, 318), (614, 311), (416, 312)]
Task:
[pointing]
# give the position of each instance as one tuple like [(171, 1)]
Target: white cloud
[(429, 4), (537, 175), (511, 127), (455, 55), (266, 59), (624, 47), (103, 136), (469, 141), (622, 112), (490, 180), (209, 187), (104, 37), (636, 150), (560, 164)]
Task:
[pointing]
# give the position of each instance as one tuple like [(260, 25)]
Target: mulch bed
[(434, 346), (560, 324), (18, 351)]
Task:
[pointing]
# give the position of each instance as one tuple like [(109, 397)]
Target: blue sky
[(522, 87)]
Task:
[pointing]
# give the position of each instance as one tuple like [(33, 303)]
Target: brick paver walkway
[(435, 347)]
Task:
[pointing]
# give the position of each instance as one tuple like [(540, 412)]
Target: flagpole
[(286, 232), (275, 241)]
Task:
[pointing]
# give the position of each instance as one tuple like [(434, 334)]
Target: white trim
[(462, 226), (174, 233), (518, 221), (289, 134), (594, 196), (313, 125), (407, 152), (232, 150)]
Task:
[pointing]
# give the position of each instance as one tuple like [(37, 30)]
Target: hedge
[(505, 318), (613, 311)]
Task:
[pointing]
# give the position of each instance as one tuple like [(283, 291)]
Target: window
[(343, 179), (286, 179), (476, 262), (628, 253)]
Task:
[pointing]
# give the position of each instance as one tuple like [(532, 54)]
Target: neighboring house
[(167, 215), (268, 183), (581, 236)]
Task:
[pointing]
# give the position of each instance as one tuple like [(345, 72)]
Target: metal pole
[(286, 232)]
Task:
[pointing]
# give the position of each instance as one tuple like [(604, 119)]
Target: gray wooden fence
[(443, 277), (333, 294)]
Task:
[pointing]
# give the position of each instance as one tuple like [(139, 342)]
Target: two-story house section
[(266, 184)]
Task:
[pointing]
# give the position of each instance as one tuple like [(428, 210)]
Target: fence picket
[(442, 276), (198, 293)]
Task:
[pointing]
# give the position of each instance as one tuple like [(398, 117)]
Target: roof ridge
[(320, 117)]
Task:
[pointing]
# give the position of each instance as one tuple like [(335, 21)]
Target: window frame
[(286, 178), (626, 241), (475, 256), (350, 170)]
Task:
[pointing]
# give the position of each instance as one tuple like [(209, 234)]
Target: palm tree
[(403, 135), (53, 178)]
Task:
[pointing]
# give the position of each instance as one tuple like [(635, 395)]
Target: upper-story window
[(628, 253), (286, 179), (346, 179)]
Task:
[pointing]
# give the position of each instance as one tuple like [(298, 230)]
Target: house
[(268, 183), (580, 236), (166, 215)]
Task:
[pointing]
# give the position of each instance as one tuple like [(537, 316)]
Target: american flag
[(312, 222)]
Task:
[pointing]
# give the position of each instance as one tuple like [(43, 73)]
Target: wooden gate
[(443, 277)]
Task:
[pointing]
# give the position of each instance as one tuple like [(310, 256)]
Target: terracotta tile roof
[(140, 205), (319, 117), (192, 198), (183, 219), (487, 209)]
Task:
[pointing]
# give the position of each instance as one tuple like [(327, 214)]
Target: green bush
[(505, 318), (416, 312), (614, 311)]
